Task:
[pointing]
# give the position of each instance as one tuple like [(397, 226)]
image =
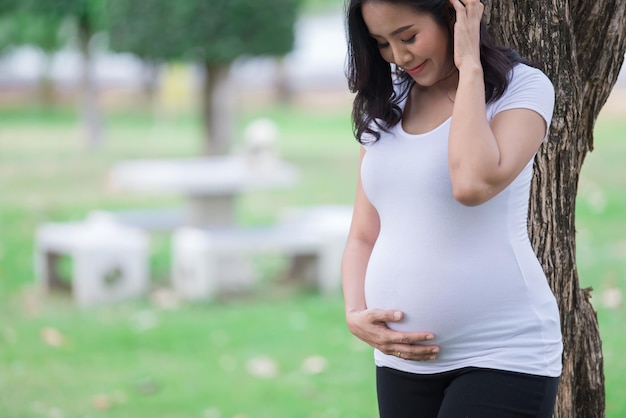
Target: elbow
[(468, 198), (474, 185), (471, 193)]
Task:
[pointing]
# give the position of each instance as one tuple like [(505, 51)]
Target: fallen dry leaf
[(263, 367), (52, 337), (314, 365), (165, 299), (612, 297), (101, 402)]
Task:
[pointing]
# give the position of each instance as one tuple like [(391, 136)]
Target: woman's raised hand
[(370, 326), (467, 32)]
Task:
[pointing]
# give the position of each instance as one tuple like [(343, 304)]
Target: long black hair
[(376, 104)]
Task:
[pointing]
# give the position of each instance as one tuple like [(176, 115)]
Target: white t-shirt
[(467, 274)]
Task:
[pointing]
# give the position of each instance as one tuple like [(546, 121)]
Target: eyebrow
[(395, 32)]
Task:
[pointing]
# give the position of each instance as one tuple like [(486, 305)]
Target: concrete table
[(210, 184)]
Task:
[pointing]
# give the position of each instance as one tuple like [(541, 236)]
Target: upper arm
[(519, 134), (519, 124), (521, 120), (365, 221)]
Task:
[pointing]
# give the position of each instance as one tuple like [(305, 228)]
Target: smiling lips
[(416, 70)]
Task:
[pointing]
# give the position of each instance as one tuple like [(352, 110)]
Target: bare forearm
[(473, 151), (353, 268)]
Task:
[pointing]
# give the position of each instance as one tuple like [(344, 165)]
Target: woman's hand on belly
[(370, 326)]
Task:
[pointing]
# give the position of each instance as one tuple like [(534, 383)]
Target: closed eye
[(409, 40)]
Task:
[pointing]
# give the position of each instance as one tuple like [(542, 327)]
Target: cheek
[(443, 49), (386, 54)]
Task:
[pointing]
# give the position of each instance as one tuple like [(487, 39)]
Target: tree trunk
[(92, 122), (150, 82), (580, 45), (284, 92), (46, 93), (218, 108)]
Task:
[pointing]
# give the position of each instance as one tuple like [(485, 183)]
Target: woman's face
[(411, 40)]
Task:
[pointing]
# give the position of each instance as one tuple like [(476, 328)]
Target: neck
[(446, 86)]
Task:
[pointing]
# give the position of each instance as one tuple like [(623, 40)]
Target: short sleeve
[(529, 88)]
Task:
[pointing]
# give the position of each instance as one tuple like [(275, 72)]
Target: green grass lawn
[(276, 351), (601, 247)]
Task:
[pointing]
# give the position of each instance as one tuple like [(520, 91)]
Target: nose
[(401, 55)]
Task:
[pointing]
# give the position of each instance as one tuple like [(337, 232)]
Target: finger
[(411, 337), (460, 11), (478, 9), (458, 5), (473, 6), (379, 315), (422, 353), (466, 6), (426, 354)]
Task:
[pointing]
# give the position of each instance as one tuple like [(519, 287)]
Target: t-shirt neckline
[(423, 134)]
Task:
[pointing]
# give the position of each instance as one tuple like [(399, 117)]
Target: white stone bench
[(149, 220), (202, 258), (109, 261)]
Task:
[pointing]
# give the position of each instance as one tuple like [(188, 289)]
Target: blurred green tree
[(212, 33), (43, 32), (37, 22), (7, 6)]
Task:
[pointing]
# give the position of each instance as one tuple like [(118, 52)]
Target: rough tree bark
[(580, 45)]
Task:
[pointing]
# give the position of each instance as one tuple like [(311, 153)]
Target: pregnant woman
[(438, 272)]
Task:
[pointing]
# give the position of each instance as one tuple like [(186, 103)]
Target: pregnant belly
[(448, 300)]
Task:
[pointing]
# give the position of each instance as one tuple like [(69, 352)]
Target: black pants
[(466, 393)]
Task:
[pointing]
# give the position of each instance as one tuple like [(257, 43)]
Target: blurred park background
[(276, 350)]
